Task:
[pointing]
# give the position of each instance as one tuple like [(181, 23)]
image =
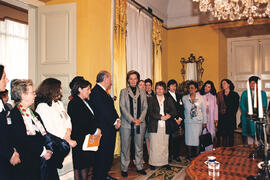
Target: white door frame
[(31, 6), (229, 50)]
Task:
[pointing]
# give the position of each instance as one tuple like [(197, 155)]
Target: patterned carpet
[(164, 174)]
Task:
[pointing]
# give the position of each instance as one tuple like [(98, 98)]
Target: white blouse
[(161, 107), (55, 118)]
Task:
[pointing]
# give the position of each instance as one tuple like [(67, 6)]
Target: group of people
[(37, 132)]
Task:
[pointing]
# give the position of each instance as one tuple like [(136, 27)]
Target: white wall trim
[(229, 50)]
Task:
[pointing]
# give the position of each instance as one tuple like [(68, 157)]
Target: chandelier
[(236, 9)]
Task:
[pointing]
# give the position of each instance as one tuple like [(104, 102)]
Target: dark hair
[(148, 80), (141, 81), (101, 75), (1, 70), (48, 90), (253, 78), (80, 83), (75, 79), (229, 82), (3, 93), (133, 72), (212, 90), (160, 83), (193, 83), (171, 82)]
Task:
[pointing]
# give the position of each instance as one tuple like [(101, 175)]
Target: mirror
[(192, 69)]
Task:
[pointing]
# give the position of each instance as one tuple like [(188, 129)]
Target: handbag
[(60, 148), (205, 140)]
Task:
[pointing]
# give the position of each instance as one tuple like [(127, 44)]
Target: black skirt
[(82, 159)]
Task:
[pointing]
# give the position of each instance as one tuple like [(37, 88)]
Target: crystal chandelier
[(236, 9)]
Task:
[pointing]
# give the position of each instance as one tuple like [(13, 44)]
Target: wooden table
[(234, 164)]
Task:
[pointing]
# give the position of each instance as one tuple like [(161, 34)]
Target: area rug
[(164, 174)]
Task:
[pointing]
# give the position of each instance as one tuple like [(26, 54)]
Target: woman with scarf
[(228, 104), (195, 119), (28, 133)]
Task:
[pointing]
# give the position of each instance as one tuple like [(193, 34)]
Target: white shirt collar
[(101, 86), (173, 95), (1, 106)]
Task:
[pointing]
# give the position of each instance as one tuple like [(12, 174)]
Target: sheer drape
[(139, 42), (14, 48)]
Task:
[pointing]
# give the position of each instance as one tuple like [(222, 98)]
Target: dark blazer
[(154, 114), (106, 116), (178, 105), (82, 120), (83, 123), (6, 150), (29, 148)]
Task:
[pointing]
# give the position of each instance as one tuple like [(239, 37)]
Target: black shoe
[(124, 174), (152, 167), (168, 167), (142, 172), (177, 159), (108, 177)]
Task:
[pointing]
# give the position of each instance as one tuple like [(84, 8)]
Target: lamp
[(236, 9)]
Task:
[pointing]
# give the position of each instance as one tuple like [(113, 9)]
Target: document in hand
[(91, 143)]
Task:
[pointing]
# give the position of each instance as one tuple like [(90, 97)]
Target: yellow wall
[(201, 41), (93, 36)]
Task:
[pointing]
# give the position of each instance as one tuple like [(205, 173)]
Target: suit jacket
[(29, 147), (6, 150), (126, 117), (178, 105), (155, 116), (82, 120), (104, 110)]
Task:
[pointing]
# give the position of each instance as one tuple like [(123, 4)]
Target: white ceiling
[(176, 12)]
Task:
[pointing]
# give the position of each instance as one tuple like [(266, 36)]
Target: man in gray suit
[(133, 107)]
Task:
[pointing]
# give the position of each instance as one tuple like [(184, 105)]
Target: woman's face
[(252, 85), (85, 92), (207, 88), (192, 89), (141, 85), (28, 97), (3, 81), (160, 91), (172, 87), (148, 87), (225, 85), (133, 80)]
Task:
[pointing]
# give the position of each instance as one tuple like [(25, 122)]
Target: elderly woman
[(133, 107), (28, 133), (83, 123), (7, 153), (195, 119), (54, 116), (162, 113)]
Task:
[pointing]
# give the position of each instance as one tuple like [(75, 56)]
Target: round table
[(234, 164)]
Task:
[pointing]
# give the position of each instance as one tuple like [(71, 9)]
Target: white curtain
[(192, 71), (14, 49), (139, 42)]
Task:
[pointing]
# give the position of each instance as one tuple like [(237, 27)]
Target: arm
[(204, 120), (215, 109), (144, 106), (151, 110), (123, 109), (243, 102)]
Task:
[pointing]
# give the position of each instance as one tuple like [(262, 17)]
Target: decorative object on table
[(261, 120), (165, 174), (205, 140), (192, 68)]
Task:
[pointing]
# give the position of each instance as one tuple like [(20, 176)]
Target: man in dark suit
[(108, 121), (174, 141)]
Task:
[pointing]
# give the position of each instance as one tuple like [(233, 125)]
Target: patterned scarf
[(32, 124)]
